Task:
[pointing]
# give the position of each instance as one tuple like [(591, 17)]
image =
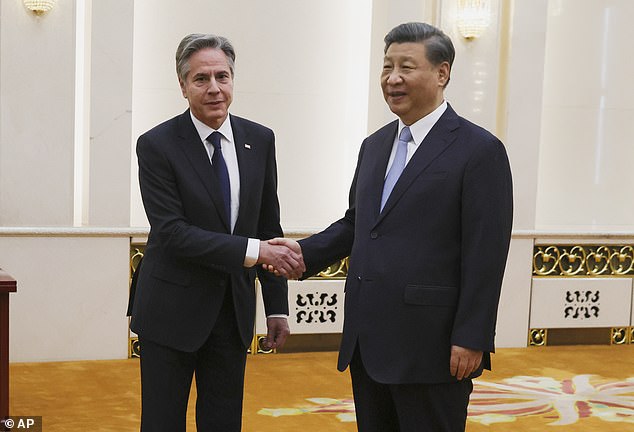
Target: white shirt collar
[(204, 131), (421, 128)]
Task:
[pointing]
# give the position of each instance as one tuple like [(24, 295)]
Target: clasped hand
[(283, 257)]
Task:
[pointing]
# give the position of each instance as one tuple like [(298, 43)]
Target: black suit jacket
[(425, 273), (191, 257)]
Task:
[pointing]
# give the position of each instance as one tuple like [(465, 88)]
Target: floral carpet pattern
[(565, 402), (343, 408)]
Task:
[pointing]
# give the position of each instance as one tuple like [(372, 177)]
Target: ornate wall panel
[(578, 286), (315, 307), (580, 302)]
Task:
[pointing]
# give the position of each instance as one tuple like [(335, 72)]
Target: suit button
[(374, 235)]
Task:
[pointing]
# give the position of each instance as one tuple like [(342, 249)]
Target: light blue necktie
[(397, 165)]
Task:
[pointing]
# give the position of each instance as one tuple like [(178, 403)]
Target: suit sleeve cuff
[(253, 252)]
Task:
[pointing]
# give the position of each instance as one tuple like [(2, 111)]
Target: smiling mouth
[(397, 94)]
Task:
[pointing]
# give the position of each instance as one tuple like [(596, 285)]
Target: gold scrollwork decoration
[(586, 260), (632, 335), (537, 337), (545, 260), (136, 254), (338, 270), (572, 261), (598, 260), (622, 260), (619, 336)]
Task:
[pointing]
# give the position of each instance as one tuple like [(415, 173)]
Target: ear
[(443, 73), (183, 89)]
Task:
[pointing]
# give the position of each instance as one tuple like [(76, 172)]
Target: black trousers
[(166, 377), (408, 407)]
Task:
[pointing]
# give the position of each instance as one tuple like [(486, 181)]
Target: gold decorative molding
[(537, 337), (137, 250), (632, 335), (136, 253), (583, 260), (134, 348), (338, 270), (257, 346), (619, 336)]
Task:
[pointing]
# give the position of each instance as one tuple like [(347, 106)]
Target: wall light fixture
[(39, 7), (474, 16)]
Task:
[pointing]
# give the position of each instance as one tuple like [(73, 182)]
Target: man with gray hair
[(209, 185), (427, 231)]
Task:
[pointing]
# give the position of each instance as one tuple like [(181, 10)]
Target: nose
[(394, 77), (213, 86)]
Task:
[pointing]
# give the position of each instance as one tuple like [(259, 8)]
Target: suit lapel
[(384, 149), (195, 151), (439, 138)]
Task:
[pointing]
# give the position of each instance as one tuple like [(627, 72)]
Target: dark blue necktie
[(221, 173)]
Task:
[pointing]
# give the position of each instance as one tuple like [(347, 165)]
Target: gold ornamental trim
[(257, 346), (134, 348), (537, 337), (620, 336), (338, 270), (583, 260), (137, 250)]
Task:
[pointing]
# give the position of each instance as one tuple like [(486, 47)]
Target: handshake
[(283, 257)]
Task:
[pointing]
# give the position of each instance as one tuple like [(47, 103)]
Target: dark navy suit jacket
[(191, 257), (426, 272)]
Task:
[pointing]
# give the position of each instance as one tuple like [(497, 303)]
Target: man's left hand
[(464, 361), (277, 333)]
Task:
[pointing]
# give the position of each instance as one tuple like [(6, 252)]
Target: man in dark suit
[(427, 232), (209, 185)]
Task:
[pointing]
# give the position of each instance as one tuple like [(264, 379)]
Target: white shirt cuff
[(277, 316), (253, 252)]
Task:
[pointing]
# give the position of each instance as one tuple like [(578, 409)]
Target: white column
[(524, 104), (110, 113), (588, 107), (521, 130)]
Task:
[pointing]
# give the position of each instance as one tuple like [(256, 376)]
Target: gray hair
[(195, 42), (438, 46)]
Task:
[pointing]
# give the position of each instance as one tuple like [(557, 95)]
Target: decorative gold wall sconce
[(39, 7), (474, 16)]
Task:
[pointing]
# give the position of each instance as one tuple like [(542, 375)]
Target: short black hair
[(439, 47)]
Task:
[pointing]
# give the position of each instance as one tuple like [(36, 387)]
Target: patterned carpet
[(587, 389)]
